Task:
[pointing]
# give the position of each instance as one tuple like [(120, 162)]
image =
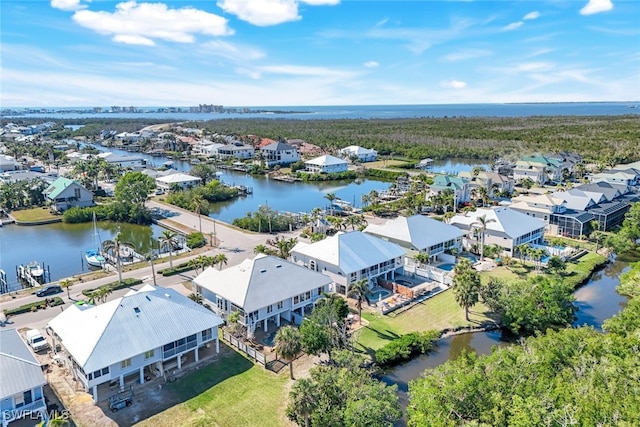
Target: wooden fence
[(245, 348)]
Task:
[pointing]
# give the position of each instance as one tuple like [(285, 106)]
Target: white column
[(142, 375), (121, 381), (265, 324), (278, 320), (217, 345), (95, 394), (179, 361), (195, 354)]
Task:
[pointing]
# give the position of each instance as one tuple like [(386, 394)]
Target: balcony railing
[(25, 410)]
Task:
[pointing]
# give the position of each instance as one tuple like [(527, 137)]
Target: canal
[(596, 301)]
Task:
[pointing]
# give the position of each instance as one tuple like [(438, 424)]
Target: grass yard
[(34, 215), (385, 164), (229, 392), (439, 312)]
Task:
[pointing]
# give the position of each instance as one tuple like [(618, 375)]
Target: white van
[(36, 341)]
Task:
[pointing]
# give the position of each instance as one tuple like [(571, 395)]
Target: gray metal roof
[(418, 231), (262, 281), (100, 336), (508, 221), (19, 369)]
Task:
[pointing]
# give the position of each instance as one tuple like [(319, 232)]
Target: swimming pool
[(269, 340), (406, 283), (446, 267), (471, 258), (379, 294)]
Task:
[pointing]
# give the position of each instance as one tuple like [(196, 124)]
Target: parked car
[(49, 290), (36, 341)]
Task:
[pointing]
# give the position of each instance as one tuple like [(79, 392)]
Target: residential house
[(279, 153), (326, 164), (145, 333), (505, 227), (628, 176), (264, 289), (541, 169), (352, 256), (361, 153), (459, 186), (182, 180), (492, 181), (603, 200), (65, 193), (8, 163), (534, 171), (21, 380), (207, 148), (419, 234), (236, 150), (133, 162)]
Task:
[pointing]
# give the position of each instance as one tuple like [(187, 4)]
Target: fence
[(245, 348)]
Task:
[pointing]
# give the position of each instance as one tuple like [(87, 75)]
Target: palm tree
[(330, 197), (466, 285), (288, 345), (150, 257), (168, 238), (199, 202), (304, 399), (522, 250), (67, 283), (263, 249), (221, 259), (115, 246), (481, 225), (359, 291)]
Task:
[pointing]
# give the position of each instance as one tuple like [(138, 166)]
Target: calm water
[(378, 111), (60, 246), (597, 301)]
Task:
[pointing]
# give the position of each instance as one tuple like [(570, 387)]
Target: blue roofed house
[(65, 193), (266, 289), (21, 380), (458, 185), (351, 256), (144, 334)]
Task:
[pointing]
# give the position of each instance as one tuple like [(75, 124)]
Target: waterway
[(596, 301)]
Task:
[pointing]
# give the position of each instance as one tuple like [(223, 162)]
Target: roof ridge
[(12, 356), (104, 329)]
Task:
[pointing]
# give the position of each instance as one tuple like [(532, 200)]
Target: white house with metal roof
[(21, 380), (182, 180), (154, 329), (263, 289), (363, 154), (349, 257), (419, 234), (326, 164), (505, 227)]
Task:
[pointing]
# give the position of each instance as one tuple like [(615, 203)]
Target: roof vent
[(147, 297), (264, 270), (279, 266), (136, 309), (167, 295)]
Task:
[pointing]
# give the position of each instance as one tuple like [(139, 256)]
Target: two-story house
[(179, 179), (21, 380), (326, 164), (264, 289), (236, 150), (145, 333), (279, 153), (361, 153), (351, 256), (65, 193), (459, 186)]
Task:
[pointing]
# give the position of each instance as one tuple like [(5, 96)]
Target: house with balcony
[(505, 227), (419, 234), (146, 333), (265, 289), (351, 256), (21, 380), (326, 164), (362, 154), (236, 150), (206, 148), (65, 193), (492, 181), (458, 185), (279, 153), (127, 162), (628, 176), (182, 180)]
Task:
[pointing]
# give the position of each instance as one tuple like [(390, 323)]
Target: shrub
[(34, 306), (405, 347), (114, 286), (195, 240)]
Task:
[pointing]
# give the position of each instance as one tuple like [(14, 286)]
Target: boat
[(35, 270), (93, 256)]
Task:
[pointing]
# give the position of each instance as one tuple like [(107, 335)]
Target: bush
[(405, 347), (384, 174), (195, 240), (114, 286), (176, 270), (34, 306)]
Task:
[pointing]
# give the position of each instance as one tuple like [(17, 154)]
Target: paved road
[(236, 244)]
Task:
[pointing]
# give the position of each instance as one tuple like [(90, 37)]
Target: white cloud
[(535, 66), (231, 51), (135, 23), (531, 15), (371, 64), (596, 6), (513, 26), (262, 12), (67, 4), (463, 55), (306, 71), (453, 84), (320, 2)]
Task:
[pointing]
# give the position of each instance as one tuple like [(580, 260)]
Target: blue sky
[(317, 52)]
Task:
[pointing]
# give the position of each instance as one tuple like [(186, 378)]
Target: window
[(320, 290), (280, 305), (296, 299), (206, 335), (149, 354), (125, 363), (269, 308)]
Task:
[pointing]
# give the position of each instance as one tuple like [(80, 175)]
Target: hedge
[(384, 174), (405, 347), (53, 302), (176, 270), (114, 286)]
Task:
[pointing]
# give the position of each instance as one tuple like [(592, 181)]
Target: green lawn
[(33, 215), (439, 312), (229, 392)]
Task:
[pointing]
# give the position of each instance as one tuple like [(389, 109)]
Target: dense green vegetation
[(265, 220), (566, 377), (405, 347), (212, 192)]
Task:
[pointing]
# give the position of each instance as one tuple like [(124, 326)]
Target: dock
[(33, 275), (4, 285)]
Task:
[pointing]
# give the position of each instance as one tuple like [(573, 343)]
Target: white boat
[(93, 256), (34, 269)]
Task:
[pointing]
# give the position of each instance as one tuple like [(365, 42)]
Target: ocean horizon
[(339, 111)]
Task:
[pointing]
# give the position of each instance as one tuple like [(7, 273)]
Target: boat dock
[(32, 274), (4, 285)]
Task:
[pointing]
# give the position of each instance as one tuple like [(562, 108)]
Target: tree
[(198, 204), (304, 399), (116, 246), (523, 251), (481, 225), (330, 197), (233, 320), (168, 238), (221, 259), (325, 329), (466, 285), (557, 265), (288, 345), (359, 290), (422, 258), (66, 284), (150, 257), (131, 193), (283, 245), (263, 249), (203, 171)]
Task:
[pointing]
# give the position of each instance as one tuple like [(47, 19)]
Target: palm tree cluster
[(526, 251)]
